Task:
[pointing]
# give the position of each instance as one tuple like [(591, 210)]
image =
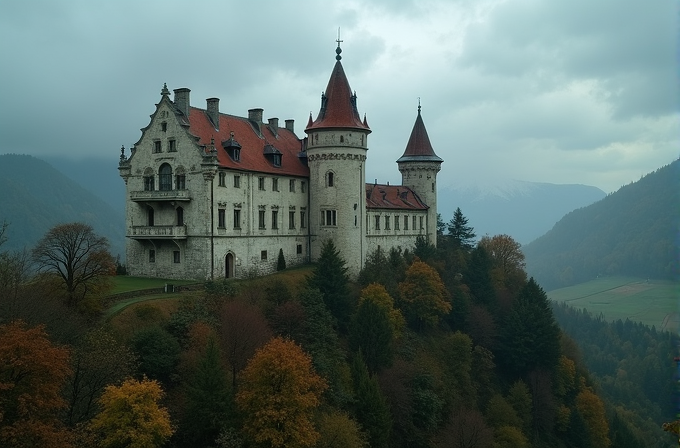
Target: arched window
[(330, 179), (165, 177), (180, 216)]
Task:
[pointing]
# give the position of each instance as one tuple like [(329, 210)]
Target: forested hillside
[(631, 232), (35, 197), (439, 347)]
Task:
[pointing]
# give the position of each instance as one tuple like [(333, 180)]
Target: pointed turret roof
[(419, 148), (338, 103)]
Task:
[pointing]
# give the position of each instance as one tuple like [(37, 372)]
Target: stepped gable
[(393, 197), (419, 148), (338, 104), (253, 146)]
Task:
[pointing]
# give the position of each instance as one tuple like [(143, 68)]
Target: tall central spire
[(338, 103)]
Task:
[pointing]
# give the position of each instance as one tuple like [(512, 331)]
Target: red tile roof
[(338, 105), (394, 197), (419, 147), (252, 145)]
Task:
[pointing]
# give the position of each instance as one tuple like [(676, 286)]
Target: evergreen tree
[(424, 249), (371, 334), (460, 231), (529, 337), (371, 408), (208, 399), (281, 262), (478, 278), (330, 277)]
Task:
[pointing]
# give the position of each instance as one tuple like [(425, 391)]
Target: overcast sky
[(561, 91)]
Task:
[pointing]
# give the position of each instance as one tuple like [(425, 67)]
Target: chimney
[(274, 126), (214, 111), (255, 115), (182, 100), (290, 125)]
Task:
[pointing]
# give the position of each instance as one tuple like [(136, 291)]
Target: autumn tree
[(99, 360), (507, 260), (378, 293), (243, 329), (591, 409), (423, 296), (132, 417), (460, 232), (338, 430), (78, 256), (330, 277), (278, 393), (32, 374)]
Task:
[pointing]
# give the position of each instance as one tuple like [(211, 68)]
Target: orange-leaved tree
[(33, 372), (131, 416), (279, 391), (423, 295)]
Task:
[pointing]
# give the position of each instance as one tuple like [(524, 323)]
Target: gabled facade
[(212, 195)]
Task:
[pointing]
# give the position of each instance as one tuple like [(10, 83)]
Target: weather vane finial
[(418, 105), (338, 50)]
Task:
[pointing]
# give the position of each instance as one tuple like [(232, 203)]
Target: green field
[(652, 302), (123, 283)]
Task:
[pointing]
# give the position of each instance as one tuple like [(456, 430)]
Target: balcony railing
[(160, 195), (158, 232)]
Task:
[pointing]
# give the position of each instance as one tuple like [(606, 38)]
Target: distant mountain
[(523, 210), (632, 232), (35, 197)]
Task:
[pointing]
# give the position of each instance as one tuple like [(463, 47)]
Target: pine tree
[(330, 277), (460, 231), (281, 262), (371, 333), (371, 408)]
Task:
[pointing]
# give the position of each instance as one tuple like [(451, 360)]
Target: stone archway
[(229, 265)]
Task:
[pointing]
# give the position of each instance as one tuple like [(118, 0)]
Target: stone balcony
[(157, 195), (157, 232)]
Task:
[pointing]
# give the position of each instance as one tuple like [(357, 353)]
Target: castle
[(213, 195)]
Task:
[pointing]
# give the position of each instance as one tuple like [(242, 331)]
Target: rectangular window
[(396, 222), (303, 223), (221, 218), (222, 177), (261, 219), (152, 256), (405, 222), (299, 249), (291, 220), (175, 256), (387, 223), (181, 182), (328, 218), (414, 223), (303, 186), (277, 160), (172, 146), (275, 219), (237, 181), (377, 223), (260, 183), (421, 223), (275, 184), (263, 255), (237, 218), (157, 146), (291, 185)]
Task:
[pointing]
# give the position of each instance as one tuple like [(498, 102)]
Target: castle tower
[(336, 154), (419, 166)]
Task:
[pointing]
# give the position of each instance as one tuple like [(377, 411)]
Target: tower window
[(237, 219), (328, 217), (330, 179), (260, 183), (221, 218), (275, 219), (303, 186), (260, 219)]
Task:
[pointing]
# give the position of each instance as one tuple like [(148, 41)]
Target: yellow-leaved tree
[(131, 416), (278, 392), (591, 408), (378, 294), (423, 295)]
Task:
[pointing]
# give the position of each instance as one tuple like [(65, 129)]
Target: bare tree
[(78, 256)]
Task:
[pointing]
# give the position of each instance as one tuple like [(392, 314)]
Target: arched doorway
[(229, 265)]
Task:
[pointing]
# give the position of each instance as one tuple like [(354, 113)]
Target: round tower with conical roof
[(337, 142), (419, 166)]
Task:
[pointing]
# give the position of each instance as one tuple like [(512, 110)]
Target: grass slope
[(652, 302)]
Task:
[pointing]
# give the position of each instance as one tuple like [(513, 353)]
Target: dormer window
[(273, 155), (277, 159), (233, 148), (236, 155)]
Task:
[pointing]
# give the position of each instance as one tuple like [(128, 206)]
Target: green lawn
[(123, 283), (652, 302)]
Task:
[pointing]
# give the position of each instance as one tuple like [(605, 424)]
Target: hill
[(36, 197), (523, 210), (631, 232)]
